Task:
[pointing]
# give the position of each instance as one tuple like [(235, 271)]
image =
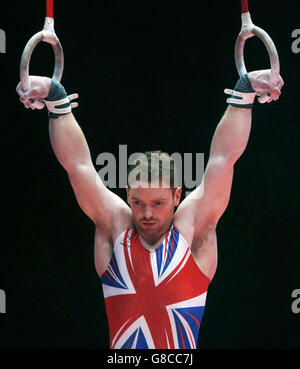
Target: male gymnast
[(155, 263)]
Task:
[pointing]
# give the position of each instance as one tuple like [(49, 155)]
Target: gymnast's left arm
[(206, 204)]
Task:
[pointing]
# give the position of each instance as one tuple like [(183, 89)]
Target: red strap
[(245, 6), (49, 13)]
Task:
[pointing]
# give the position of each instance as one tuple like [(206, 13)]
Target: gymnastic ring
[(248, 30), (47, 35), (269, 44)]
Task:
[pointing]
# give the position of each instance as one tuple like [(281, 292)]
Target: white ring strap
[(243, 98), (52, 105)]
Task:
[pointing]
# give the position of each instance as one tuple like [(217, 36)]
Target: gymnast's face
[(152, 209)]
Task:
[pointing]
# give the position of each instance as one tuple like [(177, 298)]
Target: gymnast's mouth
[(148, 224)]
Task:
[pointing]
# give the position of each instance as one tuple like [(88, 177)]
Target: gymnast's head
[(152, 192)]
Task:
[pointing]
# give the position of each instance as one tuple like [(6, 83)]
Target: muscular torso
[(203, 246)]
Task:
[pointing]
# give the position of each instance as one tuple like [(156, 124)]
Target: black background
[(150, 75)]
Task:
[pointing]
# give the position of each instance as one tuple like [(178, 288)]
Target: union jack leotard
[(153, 298)]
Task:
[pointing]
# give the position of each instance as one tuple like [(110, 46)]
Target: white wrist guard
[(243, 94), (53, 106), (58, 102), (240, 98)]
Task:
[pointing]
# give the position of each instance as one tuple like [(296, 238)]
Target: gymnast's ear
[(177, 195)]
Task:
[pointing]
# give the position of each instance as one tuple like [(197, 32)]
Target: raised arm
[(105, 208), (206, 204), (228, 143), (198, 215)]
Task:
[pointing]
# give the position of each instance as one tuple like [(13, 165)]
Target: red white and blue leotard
[(153, 298)]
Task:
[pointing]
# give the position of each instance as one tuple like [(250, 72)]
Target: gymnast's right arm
[(71, 150), (105, 208)]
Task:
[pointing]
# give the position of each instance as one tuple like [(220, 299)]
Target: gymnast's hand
[(261, 83), (39, 90), (46, 91)]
